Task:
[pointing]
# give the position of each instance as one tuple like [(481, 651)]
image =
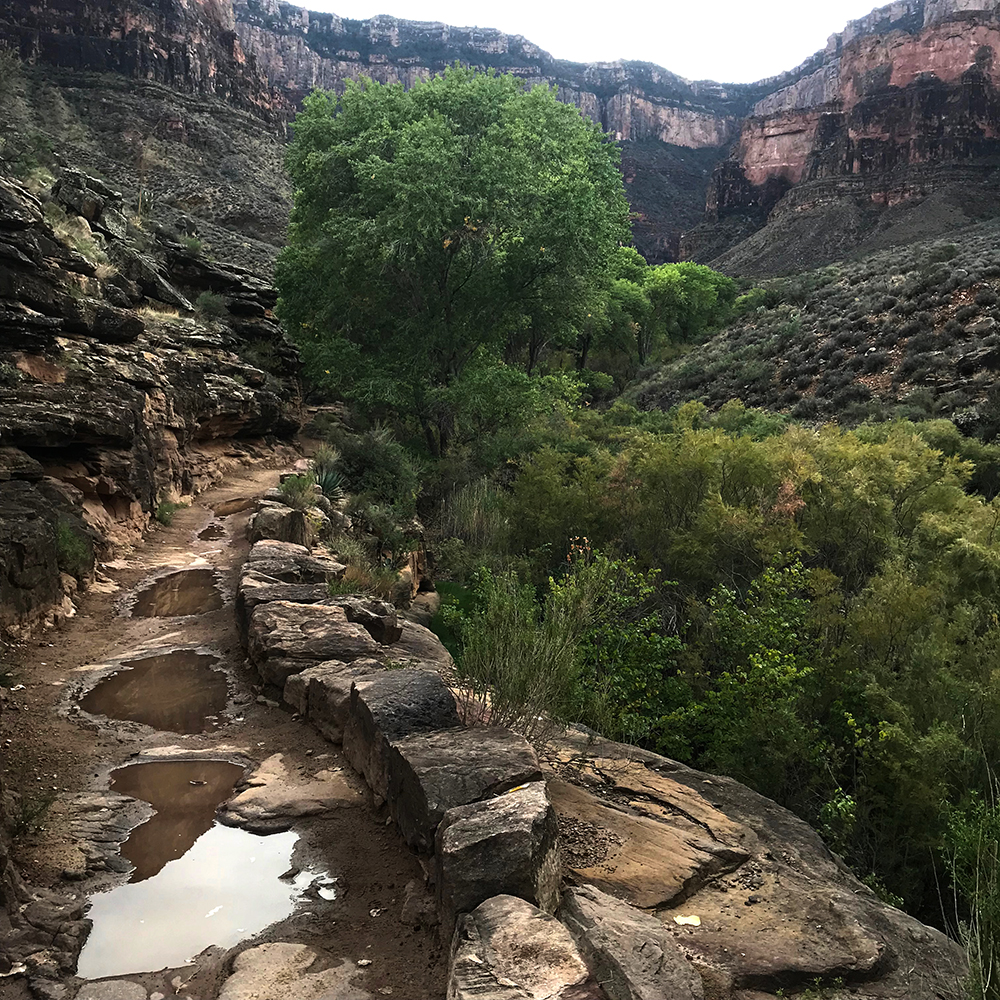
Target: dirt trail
[(54, 751)]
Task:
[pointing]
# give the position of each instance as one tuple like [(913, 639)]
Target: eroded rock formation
[(115, 394), (902, 104)]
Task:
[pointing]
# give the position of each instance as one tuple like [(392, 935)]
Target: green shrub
[(193, 245), (74, 551), (329, 479), (974, 863), (165, 511), (211, 305), (299, 491), (375, 464)]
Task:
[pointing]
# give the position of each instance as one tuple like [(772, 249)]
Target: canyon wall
[(299, 50), (902, 105), (869, 121), (188, 44)]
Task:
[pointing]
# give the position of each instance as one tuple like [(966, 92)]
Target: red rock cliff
[(913, 86)]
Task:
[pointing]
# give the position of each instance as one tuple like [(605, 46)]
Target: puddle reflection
[(226, 888), (176, 692), (186, 592)]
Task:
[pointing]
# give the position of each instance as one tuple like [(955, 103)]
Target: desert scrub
[(165, 511), (328, 477), (211, 305), (365, 573), (299, 491), (73, 549)]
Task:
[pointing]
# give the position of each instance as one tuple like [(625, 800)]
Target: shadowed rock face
[(104, 409), (188, 44), (904, 103)]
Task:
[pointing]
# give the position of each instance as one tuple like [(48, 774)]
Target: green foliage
[(165, 511), (459, 219), (915, 316), (192, 244), (29, 810), (589, 650), (211, 305), (329, 479), (74, 551), (299, 491), (375, 466), (974, 863)]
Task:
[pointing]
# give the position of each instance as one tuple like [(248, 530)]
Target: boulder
[(417, 644), (275, 521), (632, 954), (508, 845), (388, 707), (322, 694), (507, 949), (272, 799), (430, 773), (258, 588), (291, 563), (283, 970), (285, 638), (625, 851), (749, 892), (377, 617)]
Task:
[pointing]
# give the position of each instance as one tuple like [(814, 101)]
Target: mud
[(228, 886), (212, 533), (186, 592), (72, 756), (176, 691)]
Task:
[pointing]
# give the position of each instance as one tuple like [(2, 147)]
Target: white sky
[(731, 41)]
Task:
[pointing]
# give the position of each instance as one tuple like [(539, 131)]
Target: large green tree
[(465, 218)]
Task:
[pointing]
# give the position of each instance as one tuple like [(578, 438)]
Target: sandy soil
[(52, 755)]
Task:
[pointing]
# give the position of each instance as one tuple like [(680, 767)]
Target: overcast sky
[(732, 41)]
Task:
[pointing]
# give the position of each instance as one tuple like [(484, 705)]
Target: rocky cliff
[(261, 57), (901, 106), (117, 395), (188, 44)]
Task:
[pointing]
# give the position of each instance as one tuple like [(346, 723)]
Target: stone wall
[(595, 871)]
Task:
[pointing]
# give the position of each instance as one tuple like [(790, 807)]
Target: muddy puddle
[(212, 533), (176, 691), (196, 883), (186, 592)]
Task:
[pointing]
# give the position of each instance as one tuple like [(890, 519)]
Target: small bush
[(986, 298), (299, 491), (211, 305), (165, 511), (192, 244), (74, 551)]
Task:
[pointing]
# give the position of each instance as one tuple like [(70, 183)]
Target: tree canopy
[(467, 218)]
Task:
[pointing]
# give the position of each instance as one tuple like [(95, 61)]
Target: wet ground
[(187, 592), (335, 882), (177, 692)]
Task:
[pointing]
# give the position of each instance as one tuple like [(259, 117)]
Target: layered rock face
[(904, 103), (299, 50), (115, 395), (188, 44)]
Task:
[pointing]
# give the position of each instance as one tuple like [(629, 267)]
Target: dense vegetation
[(811, 609), (911, 331), (448, 239)]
